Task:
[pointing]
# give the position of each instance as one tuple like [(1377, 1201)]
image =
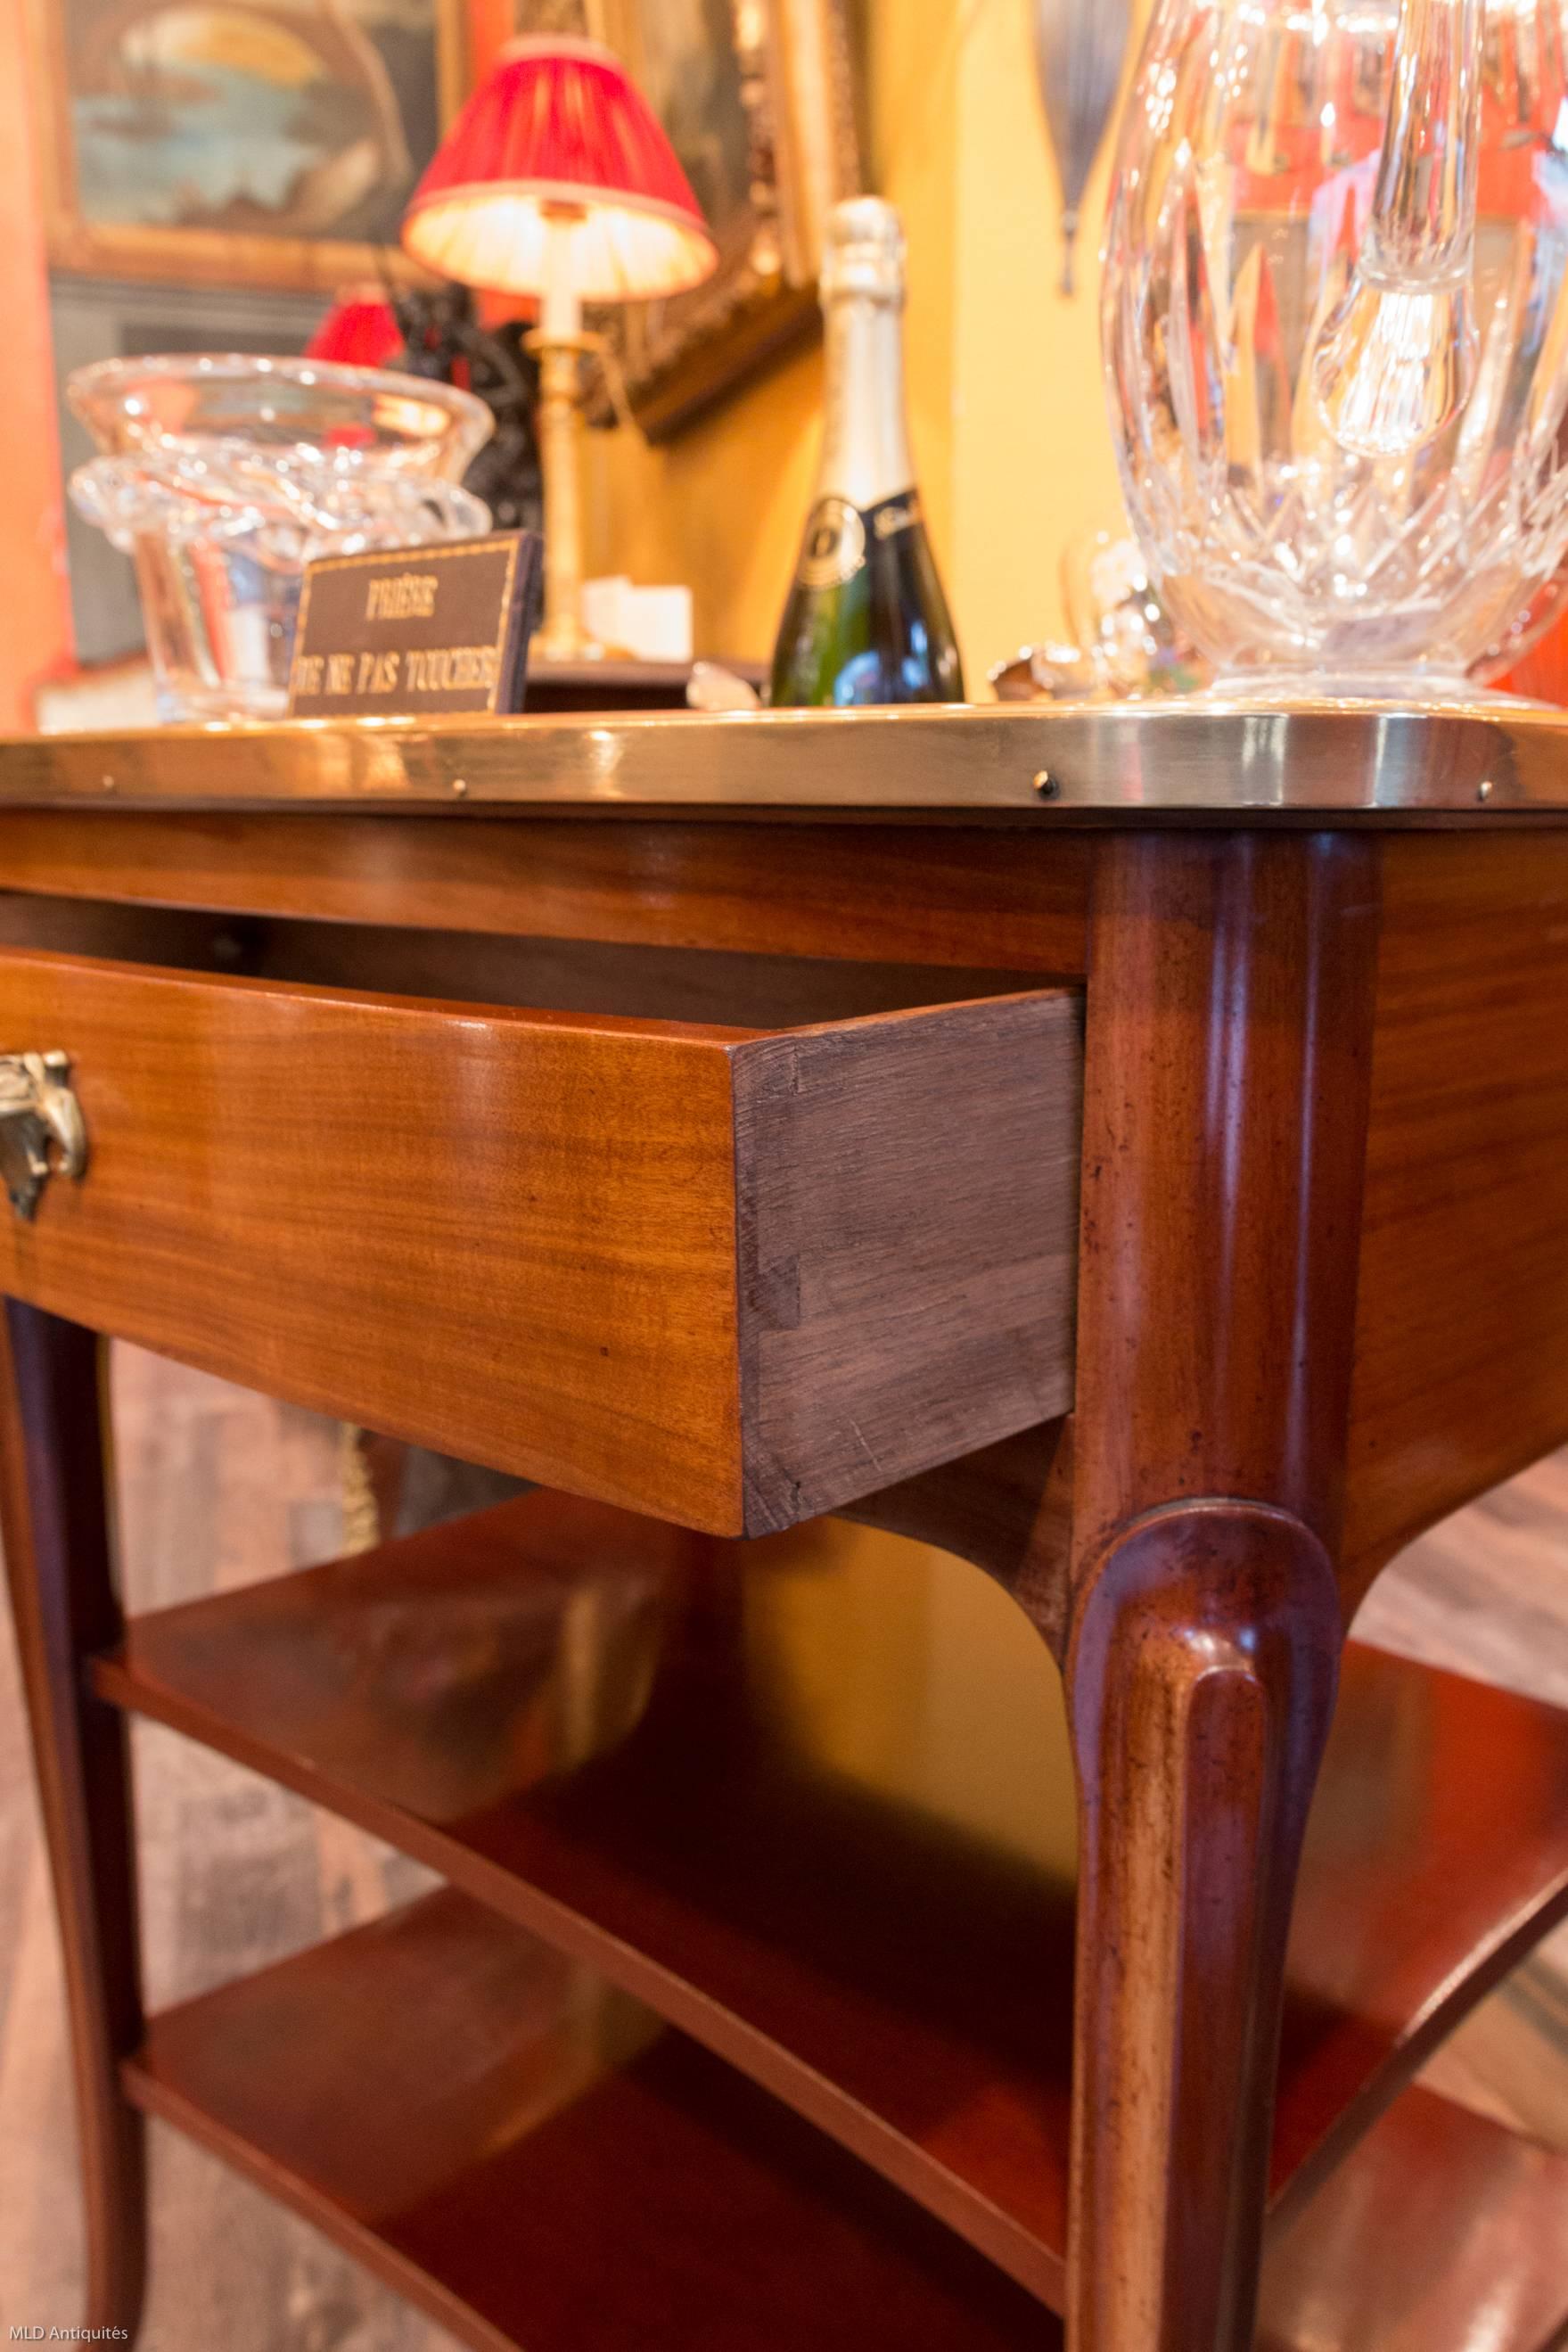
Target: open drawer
[(731, 1277)]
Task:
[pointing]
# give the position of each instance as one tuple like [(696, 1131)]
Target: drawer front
[(723, 1278), (508, 1237)]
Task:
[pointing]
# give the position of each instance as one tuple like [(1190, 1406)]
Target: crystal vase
[(222, 476), (1336, 336)]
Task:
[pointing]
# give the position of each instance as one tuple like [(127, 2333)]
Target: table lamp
[(557, 180), (361, 329)]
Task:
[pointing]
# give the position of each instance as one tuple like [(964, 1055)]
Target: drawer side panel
[(908, 1207)]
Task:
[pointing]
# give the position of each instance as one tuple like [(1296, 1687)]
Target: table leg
[(1202, 1678), (53, 1516), (1229, 1004)]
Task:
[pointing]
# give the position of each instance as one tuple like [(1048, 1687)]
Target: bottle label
[(837, 533), (895, 515)]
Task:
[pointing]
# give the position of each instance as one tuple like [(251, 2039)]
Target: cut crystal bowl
[(222, 476)]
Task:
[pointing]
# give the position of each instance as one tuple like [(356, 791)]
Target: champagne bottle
[(866, 621)]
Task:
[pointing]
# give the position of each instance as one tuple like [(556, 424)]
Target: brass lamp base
[(563, 637), (568, 641)]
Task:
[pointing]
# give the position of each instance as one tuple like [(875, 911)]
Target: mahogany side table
[(1126, 1148)]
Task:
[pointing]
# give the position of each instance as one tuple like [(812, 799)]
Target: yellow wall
[(911, 49), (720, 508), (1033, 455), (1007, 411), (914, 1677)]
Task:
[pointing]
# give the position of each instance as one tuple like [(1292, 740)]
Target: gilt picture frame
[(759, 98), (260, 143)]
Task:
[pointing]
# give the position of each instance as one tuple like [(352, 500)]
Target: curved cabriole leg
[(1201, 1678), (1232, 987), (54, 1518)]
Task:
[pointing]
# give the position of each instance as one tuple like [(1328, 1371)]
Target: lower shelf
[(811, 1801), (536, 2160), (1442, 2232)]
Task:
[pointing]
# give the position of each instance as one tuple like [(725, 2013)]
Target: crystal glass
[(1336, 335), (222, 476)]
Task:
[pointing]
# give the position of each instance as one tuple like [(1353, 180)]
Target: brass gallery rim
[(1072, 763)]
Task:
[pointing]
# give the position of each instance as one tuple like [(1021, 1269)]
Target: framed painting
[(268, 143), (758, 97)]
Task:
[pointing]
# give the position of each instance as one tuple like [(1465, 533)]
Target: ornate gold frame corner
[(678, 358)]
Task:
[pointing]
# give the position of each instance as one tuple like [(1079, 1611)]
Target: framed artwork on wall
[(269, 142), (757, 97)]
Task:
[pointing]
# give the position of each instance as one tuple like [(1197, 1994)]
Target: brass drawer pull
[(35, 1103)]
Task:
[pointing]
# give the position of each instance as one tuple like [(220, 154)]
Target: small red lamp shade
[(361, 329), (558, 146)]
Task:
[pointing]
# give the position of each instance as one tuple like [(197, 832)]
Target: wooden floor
[(219, 1487)]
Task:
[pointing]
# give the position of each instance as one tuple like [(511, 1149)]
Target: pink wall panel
[(35, 635)]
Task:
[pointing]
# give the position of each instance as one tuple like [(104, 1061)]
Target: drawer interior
[(698, 984)]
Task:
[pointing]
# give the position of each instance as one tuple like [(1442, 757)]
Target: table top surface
[(1326, 763)]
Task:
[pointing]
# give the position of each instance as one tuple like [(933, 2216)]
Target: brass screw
[(1483, 791), (1046, 785), (109, 783), (459, 784)]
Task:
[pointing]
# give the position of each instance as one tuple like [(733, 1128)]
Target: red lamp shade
[(557, 139), (358, 331)]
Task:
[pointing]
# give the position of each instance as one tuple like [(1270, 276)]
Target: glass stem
[(1396, 359), (1421, 234)]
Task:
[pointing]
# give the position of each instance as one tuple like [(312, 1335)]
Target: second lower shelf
[(538, 2163), (615, 1736)]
